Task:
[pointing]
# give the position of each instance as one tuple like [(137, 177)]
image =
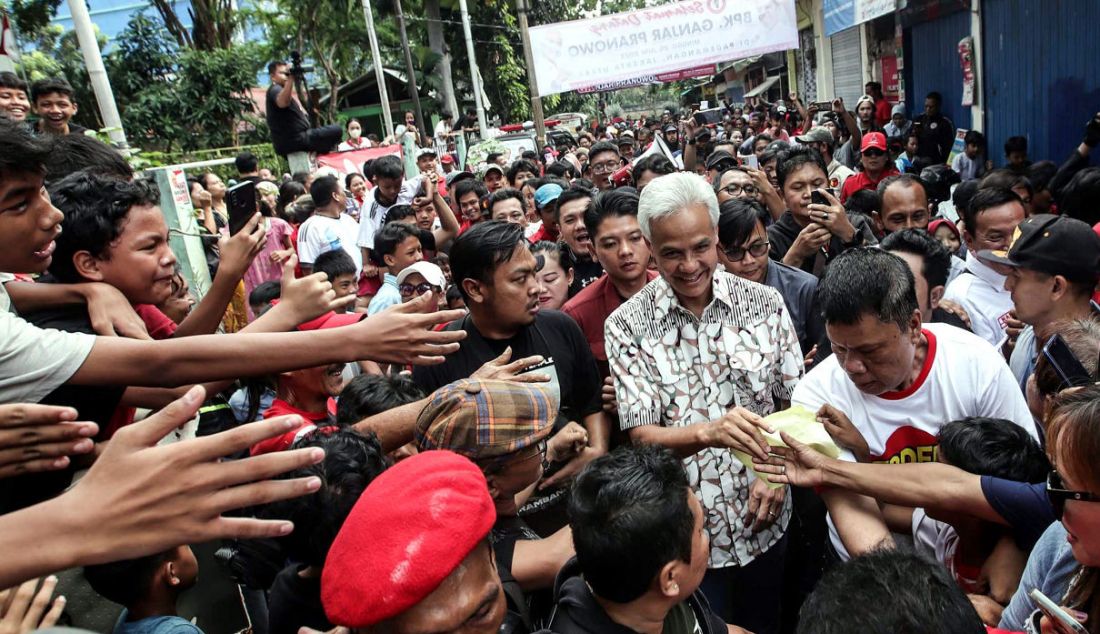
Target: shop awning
[(762, 88)]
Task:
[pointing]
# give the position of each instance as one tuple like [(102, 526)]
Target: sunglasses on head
[(1057, 494)]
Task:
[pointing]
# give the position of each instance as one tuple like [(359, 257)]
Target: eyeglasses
[(733, 189), (756, 249), (872, 153), (605, 167), (408, 290), (1058, 494)]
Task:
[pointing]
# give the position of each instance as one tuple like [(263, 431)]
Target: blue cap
[(547, 194)]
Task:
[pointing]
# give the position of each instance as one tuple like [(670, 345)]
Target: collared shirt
[(981, 292), (798, 290), (674, 369), (590, 308), (387, 296)]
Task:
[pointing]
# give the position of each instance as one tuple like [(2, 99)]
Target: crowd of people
[(536, 393)]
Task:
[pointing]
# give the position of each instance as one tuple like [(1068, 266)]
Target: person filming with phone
[(815, 228), (290, 129)]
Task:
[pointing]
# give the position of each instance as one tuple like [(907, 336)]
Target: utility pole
[(475, 76), (379, 75), (409, 69), (85, 34), (536, 104)]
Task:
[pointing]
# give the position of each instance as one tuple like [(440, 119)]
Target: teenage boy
[(390, 188), (148, 588), (13, 97), (546, 204), (35, 362), (507, 204), (339, 270), (573, 204), (329, 227), (396, 247), (642, 549), (467, 196), (114, 232), (612, 221), (603, 160), (54, 105)]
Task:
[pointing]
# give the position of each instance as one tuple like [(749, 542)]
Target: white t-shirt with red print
[(962, 376)]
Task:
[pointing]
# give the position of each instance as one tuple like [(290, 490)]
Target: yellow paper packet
[(800, 424)]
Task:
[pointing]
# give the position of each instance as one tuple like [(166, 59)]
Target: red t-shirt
[(883, 112), (862, 181), (157, 323), (544, 233), (591, 307), (282, 442)]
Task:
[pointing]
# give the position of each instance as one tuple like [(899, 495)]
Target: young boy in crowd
[(339, 268), (114, 232), (308, 393), (369, 394), (352, 461), (396, 246), (148, 588), (55, 106), (969, 165), (1016, 154), (13, 97)]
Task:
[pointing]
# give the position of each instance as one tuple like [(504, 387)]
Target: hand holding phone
[(242, 203), (1056, 613)]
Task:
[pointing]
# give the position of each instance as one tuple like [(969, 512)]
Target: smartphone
[(1065, 363), (242, 204), (825, 106), (817, 198), (1052, 610), (749, 160)]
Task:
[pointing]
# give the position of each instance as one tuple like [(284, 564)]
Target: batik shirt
[(673, 369)]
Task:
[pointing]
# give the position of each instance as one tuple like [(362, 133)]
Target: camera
[(296, 67)]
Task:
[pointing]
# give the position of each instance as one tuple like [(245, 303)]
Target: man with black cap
[(719, 161), (626, 145), (414, 553), (1052, 266)]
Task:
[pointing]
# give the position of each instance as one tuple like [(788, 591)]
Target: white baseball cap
[(430, 272)]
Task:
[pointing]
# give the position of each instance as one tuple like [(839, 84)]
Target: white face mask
[(355, 133)]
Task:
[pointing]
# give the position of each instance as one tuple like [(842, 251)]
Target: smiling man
[(573, 204), (697, 357), (893, 382)]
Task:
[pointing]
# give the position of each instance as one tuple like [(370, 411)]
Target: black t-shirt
[(554, 335), (288, 124), (584, 273), (294, 602)]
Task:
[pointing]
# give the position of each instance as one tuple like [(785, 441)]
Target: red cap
[(873, 140), (409, 530), (328, 320), (447, 159)]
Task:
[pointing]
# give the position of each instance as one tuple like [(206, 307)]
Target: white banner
[(664, 39)]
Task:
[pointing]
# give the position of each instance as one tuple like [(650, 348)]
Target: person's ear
[(915, 326), (569, 277), (876, 217), (1061, 287), (967, 238), (494, 489), (934, 297), (667, 581), (87, 266), (474, 291), (171, 576), (388, 260)]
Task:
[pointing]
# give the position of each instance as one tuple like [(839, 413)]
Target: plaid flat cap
[(486, 419)]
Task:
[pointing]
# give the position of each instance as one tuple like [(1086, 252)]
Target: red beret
[(409, 530)]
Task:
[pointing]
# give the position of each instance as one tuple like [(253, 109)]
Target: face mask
[(355, 134)]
